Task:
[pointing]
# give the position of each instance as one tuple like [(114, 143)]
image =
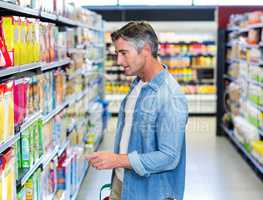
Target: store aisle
[(215, 171)]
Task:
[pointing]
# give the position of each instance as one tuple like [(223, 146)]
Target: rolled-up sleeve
[(170, 132)]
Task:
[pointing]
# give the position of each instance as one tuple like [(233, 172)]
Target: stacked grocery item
[(244, 82)]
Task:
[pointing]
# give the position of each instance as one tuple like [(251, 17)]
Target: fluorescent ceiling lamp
[(156, 2), (95, 2), (228, 2)]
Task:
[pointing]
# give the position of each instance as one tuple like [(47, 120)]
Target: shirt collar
[(155, 82)]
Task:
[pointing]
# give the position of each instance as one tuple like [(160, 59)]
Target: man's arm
[(170, 132), (108, 160)]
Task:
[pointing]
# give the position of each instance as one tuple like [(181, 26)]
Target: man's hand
[(108, 160)]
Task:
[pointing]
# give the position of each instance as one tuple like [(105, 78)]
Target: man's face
[(128, 57)]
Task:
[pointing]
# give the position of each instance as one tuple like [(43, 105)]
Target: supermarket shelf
[(54, 112), (76, 50), (187, 54), (25, 11), (77, 73), (203, 68), (82, 25), (55, 64), (255, 82), (115, 97), (19, 9), (74, 197), (230, 78), (30, 120), (71, 128), (67, 21), (232, 61), (190, 42), (96, 146), (46, 160), (48, 16), (63, 148), (9, 142), (230, 133), (260, 108), (20, 69), (96, 62), (201, 97), (31, 171)]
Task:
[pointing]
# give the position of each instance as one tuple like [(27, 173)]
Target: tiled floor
[(215, 171)]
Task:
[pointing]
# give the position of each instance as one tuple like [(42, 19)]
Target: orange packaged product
[(255, 17)]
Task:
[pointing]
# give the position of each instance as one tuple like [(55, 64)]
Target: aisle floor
[(215, 171)]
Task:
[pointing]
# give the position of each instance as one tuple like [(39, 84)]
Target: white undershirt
[(129, 110)]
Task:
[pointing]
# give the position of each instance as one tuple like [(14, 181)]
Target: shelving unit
[(241, 119), (242, 149), (92, 90)]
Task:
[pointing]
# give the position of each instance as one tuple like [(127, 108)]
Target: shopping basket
[(104, 187)]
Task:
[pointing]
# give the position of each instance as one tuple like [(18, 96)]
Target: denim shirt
[(156, 148)]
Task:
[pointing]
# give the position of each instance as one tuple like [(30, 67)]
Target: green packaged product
[(34, 144), (40, 143), (21, 194), (25, 149), (18, 164)]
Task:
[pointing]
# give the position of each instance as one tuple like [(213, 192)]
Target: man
[(149, 151)]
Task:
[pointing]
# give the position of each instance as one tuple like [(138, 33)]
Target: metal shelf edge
[(49, 16), (19, 9), (31, 171), (30, 120), (9, 142), (47, 160), (55, 64), (62, 149), (54, 112), (239, 145)]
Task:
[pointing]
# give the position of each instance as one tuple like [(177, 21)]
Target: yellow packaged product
[(23, 53), (258, 147), (8, 110), (17, 41), (29, 40), (8, 175)]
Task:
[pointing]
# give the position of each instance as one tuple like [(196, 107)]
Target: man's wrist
[(123, 161)]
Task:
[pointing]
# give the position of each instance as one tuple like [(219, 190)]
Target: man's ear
[(147, 49)]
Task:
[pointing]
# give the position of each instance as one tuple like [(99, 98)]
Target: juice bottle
[(17, 41), (23, 53)]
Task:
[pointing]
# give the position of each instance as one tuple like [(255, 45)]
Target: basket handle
[(104, 187)]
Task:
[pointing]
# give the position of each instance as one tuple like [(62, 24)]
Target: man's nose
[(119, 60)]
